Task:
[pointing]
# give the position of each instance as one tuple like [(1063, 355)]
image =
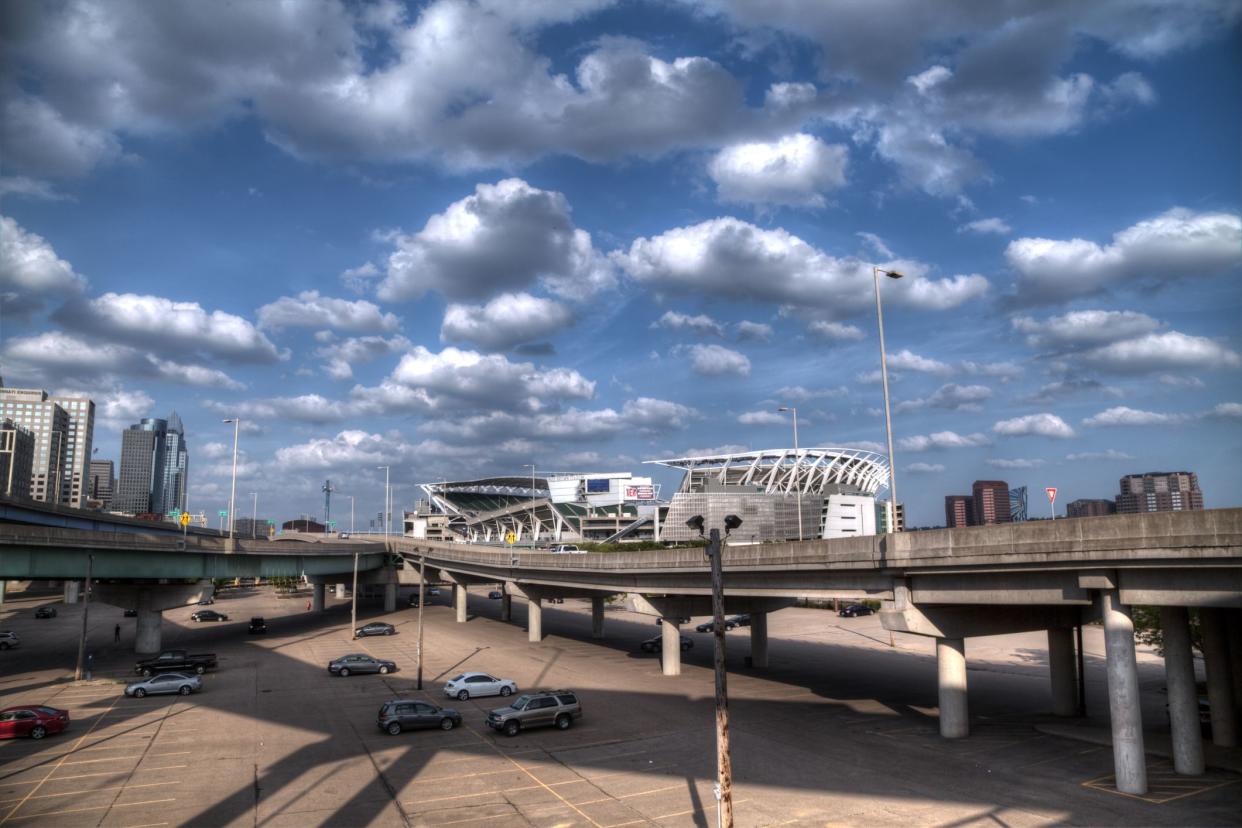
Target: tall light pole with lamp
[(254, 517), (387, 504), (351, 513), (888, 418), (236, 421), (531, 466), (797, 460)]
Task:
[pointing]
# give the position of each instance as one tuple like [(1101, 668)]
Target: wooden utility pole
[(724, 765), (418, 647), (86, 605)]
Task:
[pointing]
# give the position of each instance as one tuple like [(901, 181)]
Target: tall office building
[(1086, 507), (991, 502), (1160, 492), (17, 447), (154, 466), (102, 485), (959, 510), (63, 429)]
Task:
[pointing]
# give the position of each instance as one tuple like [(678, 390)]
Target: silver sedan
[(165, 683)]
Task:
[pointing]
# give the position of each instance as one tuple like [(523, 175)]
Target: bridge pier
[(147, 635), (72, 590), (1212, 620), (506, 605), (459, 602), (3, 586), (759, 639), (534, 619), (340, 590), (1063, 671), (317, 596), (670, 646), (390, 597), (951, 670), (1179, 670), (597, 616), (1125, 712)]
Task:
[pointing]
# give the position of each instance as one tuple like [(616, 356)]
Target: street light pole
[(531, 466), (387, 505), (254, 517), (888, 419), (797, 462), (418, 647), (236, 421), (351, 513), (353, 603), (86, 605)]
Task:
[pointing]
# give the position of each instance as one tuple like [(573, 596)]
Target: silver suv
[(545, 707), (8, 638)]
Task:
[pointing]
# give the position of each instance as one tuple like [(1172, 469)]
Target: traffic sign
[(185, 518), (223, 513), (1051, 491), (510, 538)]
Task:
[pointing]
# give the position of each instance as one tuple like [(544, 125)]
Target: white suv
[(9, 639), (566, 549)]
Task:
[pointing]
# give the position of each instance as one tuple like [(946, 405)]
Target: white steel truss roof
[(783, 471)]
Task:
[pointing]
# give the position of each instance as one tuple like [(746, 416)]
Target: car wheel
[(38, 732), (344, 671), (447, 724), (390, 632), (199, 669), (564, 721), (512, 727), (3, 645), (685, 647), (139, 693), (383, 669), (506, 691), (184, 690), (394, 728), (146, 672)]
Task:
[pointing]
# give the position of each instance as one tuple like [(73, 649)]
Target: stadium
[(781, 494)]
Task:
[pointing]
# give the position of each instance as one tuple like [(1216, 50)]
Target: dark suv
[(407, 714), (545, 707)]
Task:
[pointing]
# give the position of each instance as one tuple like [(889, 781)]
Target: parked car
[(566, 549), (710, 626), (208, 615), (165, 683), (375, 628), (178, 661), (742, 620), (207, 601), (360, 663), (8, 639), (414, 600), (258, 626), (131, 613), (45, 612), (547, 707), (433, 591), (495, 595), (32, 720), (409, 714), (478, 684), (853, 610), (655, 645)]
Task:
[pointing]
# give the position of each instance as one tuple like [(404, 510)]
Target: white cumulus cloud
[(509, 319), (1042, 425), (310, 310), (795, 170), (715, 360)]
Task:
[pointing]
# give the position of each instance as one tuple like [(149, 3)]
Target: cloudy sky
[(462, 236)]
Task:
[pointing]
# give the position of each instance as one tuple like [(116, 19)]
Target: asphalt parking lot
[(840, 729)]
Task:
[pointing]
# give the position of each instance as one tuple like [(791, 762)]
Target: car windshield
[(521, 703)]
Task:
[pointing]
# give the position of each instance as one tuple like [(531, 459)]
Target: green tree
[(1147, 628)]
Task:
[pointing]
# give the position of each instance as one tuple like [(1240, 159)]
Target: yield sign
[(1051, 491)]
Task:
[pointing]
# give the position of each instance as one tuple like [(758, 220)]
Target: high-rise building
[(1160, 492), (991, 502), (886, 514), (959, 510), (63, 429), (154, 465), (1086, 507), (102, 484), (17, 448)]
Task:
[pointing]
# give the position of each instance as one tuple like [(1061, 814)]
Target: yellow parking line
[(96, 808), (97, 761), (95, 790), (632, 795), (175, 753)]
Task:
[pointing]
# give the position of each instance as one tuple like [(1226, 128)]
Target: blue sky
[(459, 237)]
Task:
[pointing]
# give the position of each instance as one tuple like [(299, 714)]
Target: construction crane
[(327, 504)]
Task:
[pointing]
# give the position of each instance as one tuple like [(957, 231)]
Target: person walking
[(308, 606), (116, 634)]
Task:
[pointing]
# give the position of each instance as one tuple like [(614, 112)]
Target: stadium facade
[(780, 494)]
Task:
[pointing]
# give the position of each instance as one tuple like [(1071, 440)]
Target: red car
[(32, 720)]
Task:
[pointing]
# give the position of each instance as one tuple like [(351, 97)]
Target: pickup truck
[(176, 660)]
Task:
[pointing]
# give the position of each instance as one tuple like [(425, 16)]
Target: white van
[(566, 549)]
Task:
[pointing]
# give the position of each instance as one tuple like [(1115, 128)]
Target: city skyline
[(627, 236)]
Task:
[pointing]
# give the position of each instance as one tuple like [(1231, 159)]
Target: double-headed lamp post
[(236, 421), (797, 461), (888, 418)]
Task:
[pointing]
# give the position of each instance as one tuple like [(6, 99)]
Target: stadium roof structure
[(785, 471)]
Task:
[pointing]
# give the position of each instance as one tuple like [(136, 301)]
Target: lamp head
[(696, 523), (893, 274), (731, 522)]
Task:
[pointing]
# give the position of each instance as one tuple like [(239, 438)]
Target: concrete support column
[(597, 617), (3, 584), (390, 597), (670, 649), (1179, 671), (317, 597), (147, 636), (1063, 671), (459, 602), (72, 590), (340, 590), (951, 670), (506, 607), (759, 639), (1233, 620), (1219, 676), (534, 619), (1129, 763)]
